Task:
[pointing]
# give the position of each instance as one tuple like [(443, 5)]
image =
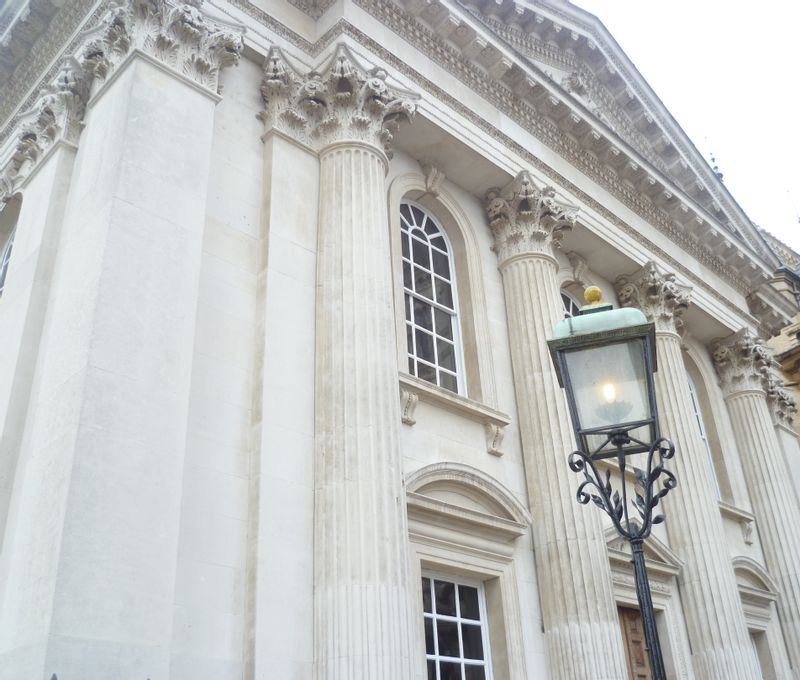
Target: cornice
[(536, 106), (551, 22), (343, 27), (314, 8), (422, 39), (41, 63)]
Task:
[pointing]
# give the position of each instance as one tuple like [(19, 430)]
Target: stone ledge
[(413, 389)]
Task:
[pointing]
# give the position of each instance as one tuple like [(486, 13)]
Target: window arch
[(430, 300)]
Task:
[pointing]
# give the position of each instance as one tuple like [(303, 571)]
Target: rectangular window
[(456, 637)]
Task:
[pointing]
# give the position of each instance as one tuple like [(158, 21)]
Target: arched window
[(5, 258), (571, 307), (432, 331), (698, 416)]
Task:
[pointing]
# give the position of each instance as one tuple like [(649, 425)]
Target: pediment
[(660, 558), (457, 497), (555, 66)]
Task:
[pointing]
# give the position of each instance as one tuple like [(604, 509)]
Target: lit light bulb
[(609, 393)]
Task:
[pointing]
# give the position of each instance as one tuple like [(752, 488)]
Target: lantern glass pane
[(609, 384)]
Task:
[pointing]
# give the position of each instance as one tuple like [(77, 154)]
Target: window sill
[(412, 390), (745, 519)]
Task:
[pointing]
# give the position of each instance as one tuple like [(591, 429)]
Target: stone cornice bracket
[(341, 101), (56, 117), (745, 363), (525, 219), (657, 294), (180, 35)]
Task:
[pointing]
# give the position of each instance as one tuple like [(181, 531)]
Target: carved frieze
[(527, 219), (657, 293), (342, 100), (744, 362)]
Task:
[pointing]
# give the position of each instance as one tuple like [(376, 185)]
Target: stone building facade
[(275, 397)]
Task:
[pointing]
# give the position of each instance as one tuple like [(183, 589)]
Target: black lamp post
[(605, 359)]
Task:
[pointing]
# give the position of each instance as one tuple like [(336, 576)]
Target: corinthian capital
[(56, 116), (343, 100), (657, 294), (179, 34), (744, 363), (525, 219)]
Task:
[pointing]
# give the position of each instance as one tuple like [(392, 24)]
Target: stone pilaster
[(363, 595), (714, 616), (89, 565), (578, 608), (755, 394)]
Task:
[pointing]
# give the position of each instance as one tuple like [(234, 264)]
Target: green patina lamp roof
[(599, 322)]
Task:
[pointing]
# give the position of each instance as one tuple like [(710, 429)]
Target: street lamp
[(605, 359)]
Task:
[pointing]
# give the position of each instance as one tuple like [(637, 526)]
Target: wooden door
[(635, 645)]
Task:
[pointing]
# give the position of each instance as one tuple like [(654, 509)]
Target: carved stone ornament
[(657, 294), (744, 362), (178, 34), (525, 219), (57, 116), (341, 101)]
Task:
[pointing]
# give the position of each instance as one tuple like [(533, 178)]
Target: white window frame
[(484, 622), (701, 426), (564, 297), (5, 259), (461, 378)]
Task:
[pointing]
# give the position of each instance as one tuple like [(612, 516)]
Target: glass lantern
[(605, 359)]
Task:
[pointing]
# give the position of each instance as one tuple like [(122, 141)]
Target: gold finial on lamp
[(592, 295)]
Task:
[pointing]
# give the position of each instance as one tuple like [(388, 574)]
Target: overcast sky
[(728, 73)]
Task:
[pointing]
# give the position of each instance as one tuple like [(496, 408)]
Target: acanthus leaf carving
[(744, 363), (57, 116), (341, 101), (179, 35), (526, 219), (658, 294)]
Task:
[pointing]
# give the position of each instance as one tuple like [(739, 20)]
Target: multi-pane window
[(5, 258), (430, 300), (698, 416), (571, 308), (456, 640)]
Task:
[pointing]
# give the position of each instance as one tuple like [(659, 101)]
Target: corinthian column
[(578, 608), (362, 592), (753, 392), (714, 618)]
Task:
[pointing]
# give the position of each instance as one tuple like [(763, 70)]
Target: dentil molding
[(657, 293), (341, 100), (526, 219)]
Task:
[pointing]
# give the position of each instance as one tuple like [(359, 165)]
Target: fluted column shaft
[(578, 607), (712, 608), (721, 647), (580, 618), (362, 590), (746, 369)]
